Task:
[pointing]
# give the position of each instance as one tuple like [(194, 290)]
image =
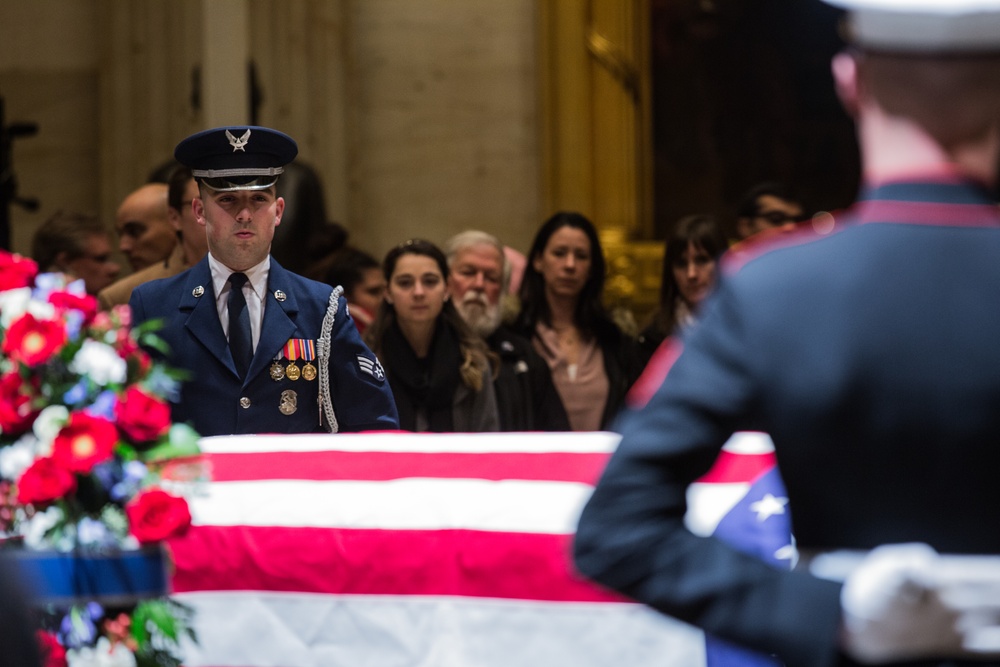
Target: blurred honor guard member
[(268, 351), (871, 357)]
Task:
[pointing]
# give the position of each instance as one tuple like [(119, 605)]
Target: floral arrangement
[(89, 460)]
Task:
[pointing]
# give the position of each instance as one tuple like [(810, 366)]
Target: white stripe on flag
[(402, 504), (749, 442), (376, 631), (708, 504), (584, 443)]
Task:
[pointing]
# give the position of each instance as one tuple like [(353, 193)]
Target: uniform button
[(244, 402)]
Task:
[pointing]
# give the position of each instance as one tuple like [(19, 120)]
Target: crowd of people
[(882, 416), (461, 349)]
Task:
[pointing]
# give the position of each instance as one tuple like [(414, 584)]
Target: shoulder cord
[(323, 345)]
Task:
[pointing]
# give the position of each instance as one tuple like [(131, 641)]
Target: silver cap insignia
[(238, 144)]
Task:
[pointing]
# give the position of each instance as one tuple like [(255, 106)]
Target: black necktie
[(240, 338)]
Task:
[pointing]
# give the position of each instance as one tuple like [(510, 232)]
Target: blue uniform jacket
[(216, 402), (871, 355)]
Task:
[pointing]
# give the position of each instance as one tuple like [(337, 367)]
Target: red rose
[(44, 482), (141, 417), (86, 304), (155, 515), (52, 652), (16, 271), (33, 342), (83, 442), (16, 415)]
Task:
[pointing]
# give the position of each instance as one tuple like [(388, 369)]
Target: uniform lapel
[(198, 300)]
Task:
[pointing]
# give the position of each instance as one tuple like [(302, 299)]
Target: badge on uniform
[(288, 403), (294, 350), (371, 367)]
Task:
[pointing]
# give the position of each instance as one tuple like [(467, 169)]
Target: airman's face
[(239, 225)]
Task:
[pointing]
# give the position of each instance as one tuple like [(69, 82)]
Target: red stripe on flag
[(379, 466), (380, 562), (732, 468)]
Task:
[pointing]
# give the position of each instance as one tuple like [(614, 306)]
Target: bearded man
[(478, 279)]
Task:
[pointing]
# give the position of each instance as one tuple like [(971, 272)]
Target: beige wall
[(421, 117), (48, 76), (444, 124)]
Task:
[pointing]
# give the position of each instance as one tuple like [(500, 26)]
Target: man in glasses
[(767, 206)]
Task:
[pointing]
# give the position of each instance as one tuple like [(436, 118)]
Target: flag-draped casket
[(412, 550)]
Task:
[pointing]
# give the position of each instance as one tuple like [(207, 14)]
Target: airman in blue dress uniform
[(266, 350), (870, 352)]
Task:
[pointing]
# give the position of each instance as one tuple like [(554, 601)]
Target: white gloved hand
[(905, 601)]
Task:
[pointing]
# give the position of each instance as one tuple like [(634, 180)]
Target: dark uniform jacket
[(526, 398), (871, 356), (216, 402)]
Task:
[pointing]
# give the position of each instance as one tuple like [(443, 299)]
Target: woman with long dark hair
[(439, 369), (690, 258), (593, 363)]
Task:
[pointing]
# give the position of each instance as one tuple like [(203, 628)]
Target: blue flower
[(79, 626), (77, 394), (104, 405), (133, 474)]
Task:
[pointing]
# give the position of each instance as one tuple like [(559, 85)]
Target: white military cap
[(955, 26)]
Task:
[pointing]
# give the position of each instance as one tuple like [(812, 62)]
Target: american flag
[(416, 550)]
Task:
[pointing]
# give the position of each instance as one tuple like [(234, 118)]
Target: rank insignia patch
[(372, 367)]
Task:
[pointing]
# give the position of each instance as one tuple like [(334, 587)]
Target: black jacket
[(526, 398)]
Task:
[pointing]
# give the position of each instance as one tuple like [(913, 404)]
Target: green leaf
[(181, 440)]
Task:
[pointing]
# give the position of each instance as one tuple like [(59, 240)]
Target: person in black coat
[(593, 363)]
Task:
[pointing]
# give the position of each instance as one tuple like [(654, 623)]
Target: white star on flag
[(768, 506)]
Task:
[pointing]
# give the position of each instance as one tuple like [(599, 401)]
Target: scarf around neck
[(423, 385)]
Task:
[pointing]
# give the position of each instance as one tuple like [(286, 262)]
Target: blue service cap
[(924, 26), (237, 158)]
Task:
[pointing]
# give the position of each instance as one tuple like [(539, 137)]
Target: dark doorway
[(742, 94)]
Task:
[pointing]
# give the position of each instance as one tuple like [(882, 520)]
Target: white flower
[(101, 655), (99, 362), (47, 426), (13, 304), (34, 529), (18, 457)]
